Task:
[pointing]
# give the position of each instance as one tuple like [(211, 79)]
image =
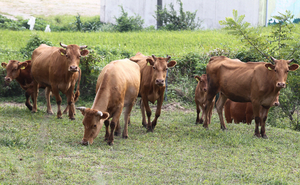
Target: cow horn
[(63, 45), (289, 61), (154, 57), (168, 57), (99, 113), (273, 59), (82, 47), (81, 108)]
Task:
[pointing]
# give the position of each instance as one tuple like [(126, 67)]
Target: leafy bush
[(6, 23), (171, 21), (128, 23), (33, 43)]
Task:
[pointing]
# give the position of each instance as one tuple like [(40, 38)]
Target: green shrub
[(128, 23), (33, 43), (171, 21)]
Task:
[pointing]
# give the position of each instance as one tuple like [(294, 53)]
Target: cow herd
[(247, 90)]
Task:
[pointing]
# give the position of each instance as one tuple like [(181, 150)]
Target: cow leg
[(47, 94), (118, 129), (70, 100), (249, 118), (220, 105), (106, 123), (263, 114), (126, 119), (158, 111), (202, 115), (148, 111), (35, 93), (113, 124), (55, 92), (66, 110), (144, 123), (209, 103), (256, 110), (198, 112), (27, 102)]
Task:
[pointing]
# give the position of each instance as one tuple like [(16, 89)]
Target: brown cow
[(117, 87), (21, 71), (152, 88), (256, 82), (241, 111), (200, 96), (57, 68)]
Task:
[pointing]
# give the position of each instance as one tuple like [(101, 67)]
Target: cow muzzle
[(276, 103), (160, 82), (73, 69), (84, 142), (7, 79), (280, 85)]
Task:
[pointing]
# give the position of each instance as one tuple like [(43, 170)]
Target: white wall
[(210, 11)]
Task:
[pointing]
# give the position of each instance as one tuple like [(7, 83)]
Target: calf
[(200, 96), (241, 111), (152, 87), (117, 87)]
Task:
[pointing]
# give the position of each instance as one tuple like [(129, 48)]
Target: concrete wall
[(210, 11)]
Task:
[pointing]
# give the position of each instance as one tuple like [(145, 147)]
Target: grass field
[(40, 149)]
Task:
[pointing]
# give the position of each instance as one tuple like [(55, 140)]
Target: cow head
[(73, 54), (160, 66), (276, 102), (92, 122), (13, 69), (281, 69), (203, 82)]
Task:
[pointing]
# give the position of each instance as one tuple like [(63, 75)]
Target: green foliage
[(127, 23), (9, 24), (171, 21), (34, 42)]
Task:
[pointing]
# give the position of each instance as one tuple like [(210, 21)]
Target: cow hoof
[(201, 121), (50, 113), (33, 111), (110, 143), (29, 106), (257, 135), (125, 137), (59, 117), (144, 125), (72, 119), (149, 130), (264, 136), (117, 133)]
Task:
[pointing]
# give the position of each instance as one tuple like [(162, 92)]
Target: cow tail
[(78, 84)]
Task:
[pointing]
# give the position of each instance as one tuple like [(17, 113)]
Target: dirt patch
[(28, 8)]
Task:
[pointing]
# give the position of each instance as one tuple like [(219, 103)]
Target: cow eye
[(275, 70), (153, 67), (166, 69), (287, 71), (95, 126)]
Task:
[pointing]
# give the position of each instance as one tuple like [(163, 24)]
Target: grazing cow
[(21, 71), (256, 82), (200, 96), (241, 111), (152, 88), (57, 68), (117, 87)]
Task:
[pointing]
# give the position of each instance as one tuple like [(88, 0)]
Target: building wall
[(209, 11)]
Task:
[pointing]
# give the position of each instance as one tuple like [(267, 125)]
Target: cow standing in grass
[(200, 96), (117, 87), (57, 68), (21, 71), (241, 111), (152, 88), (256, 82)]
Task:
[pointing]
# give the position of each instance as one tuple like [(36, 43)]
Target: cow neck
[(102, 97), (23, 79)]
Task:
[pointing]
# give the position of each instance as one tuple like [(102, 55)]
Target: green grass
[(38, 148)]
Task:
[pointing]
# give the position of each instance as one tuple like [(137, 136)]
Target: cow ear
[(150, 61), (293, 67), (105, 115), (84, 52), (270, 66), (3, 64), (62, 51), (172, 63), (22, 65), (198, 78)]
